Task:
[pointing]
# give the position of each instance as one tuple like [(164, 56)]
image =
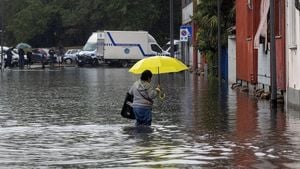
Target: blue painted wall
[(224, 64)]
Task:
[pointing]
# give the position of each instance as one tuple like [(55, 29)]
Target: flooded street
[(70, 118)]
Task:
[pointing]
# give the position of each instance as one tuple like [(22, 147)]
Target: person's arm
[(153, 92)]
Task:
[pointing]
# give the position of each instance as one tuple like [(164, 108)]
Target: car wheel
[(95, 62), (68, 61)]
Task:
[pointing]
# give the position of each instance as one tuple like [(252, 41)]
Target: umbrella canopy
[(26, 47), (23, 46), (157, 65)]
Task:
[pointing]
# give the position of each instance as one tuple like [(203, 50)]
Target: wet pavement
[(70, 118)]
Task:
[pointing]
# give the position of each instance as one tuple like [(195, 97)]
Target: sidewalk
[(39, 66)]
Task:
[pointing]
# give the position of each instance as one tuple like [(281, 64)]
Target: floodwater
[(70, 118)]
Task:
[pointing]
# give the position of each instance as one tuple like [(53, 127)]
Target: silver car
[(71, 56)]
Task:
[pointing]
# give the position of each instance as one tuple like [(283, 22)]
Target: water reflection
[(70, 118)]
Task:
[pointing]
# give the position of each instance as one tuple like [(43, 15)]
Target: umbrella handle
[(161, 95), (158, 76)]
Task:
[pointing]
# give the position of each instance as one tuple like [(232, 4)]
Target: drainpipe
[(273, 55)]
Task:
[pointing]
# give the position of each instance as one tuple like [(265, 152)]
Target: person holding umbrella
[(143, 95), (52, 57), (21, 53), (23, 48), (29, 58)]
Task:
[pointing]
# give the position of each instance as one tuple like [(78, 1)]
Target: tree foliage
[(206, 18), (70, 22)]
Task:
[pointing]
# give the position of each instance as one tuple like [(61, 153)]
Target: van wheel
[(124, 64)]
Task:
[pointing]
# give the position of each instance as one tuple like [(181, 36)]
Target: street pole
[(194, 38), (273, 55), (2, 35), (219, 42), (171, 29)]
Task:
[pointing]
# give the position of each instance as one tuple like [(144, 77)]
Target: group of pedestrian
[(9, 62), (21, 61)]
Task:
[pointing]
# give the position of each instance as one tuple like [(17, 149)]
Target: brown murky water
[(70, 118)]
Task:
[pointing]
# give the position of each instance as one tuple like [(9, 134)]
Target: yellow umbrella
[(157, 65)]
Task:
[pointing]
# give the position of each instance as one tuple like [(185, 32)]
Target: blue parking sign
[(187, 27), (184, 35)]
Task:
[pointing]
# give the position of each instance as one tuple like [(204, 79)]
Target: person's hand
[(157, 88)]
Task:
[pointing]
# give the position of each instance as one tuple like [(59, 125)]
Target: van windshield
[(155, 48), (89, 47)]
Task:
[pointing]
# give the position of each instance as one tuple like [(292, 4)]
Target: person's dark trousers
[(143, 115)]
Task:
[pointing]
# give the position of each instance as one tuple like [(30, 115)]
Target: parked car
[(39, 54), (71, 56)]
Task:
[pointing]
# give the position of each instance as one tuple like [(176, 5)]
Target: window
[(155, 48)]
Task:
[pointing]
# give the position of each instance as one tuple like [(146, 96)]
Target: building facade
[(253, 44), (293, 53), (190, 51)]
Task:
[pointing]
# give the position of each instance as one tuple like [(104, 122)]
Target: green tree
[(69, 22), (207, 21)]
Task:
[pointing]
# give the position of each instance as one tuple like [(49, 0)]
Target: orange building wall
[(280, 44), (246, 26), (247, 21)]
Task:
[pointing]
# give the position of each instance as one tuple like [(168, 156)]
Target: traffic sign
[(184, 35), (185, 32), (189, 28)]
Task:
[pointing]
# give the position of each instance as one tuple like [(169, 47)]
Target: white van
[(121, 47)]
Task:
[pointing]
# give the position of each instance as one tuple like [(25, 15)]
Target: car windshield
[(89, 46)]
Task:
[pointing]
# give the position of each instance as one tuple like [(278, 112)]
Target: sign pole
[(273, 55), (171, 29)]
